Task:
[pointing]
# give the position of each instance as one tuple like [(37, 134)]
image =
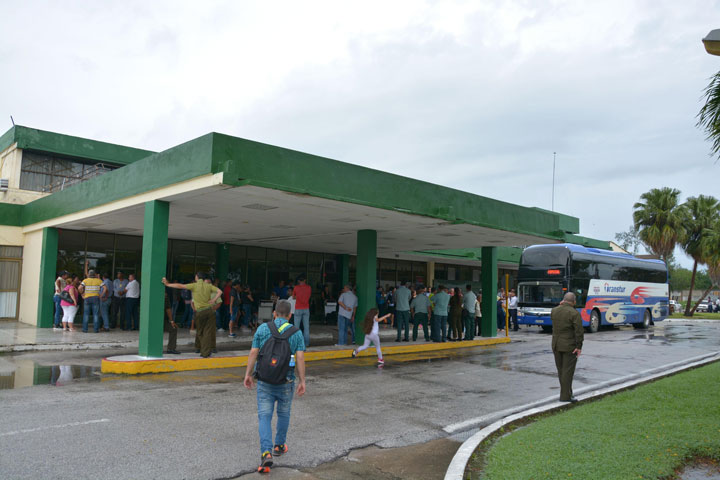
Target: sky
[(478, 96)]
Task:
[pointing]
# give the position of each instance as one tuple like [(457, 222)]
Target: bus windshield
[(540, 294)]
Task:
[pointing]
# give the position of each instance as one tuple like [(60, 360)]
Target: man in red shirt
[(301, 293)]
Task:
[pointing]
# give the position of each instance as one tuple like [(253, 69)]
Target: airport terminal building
[(245, 211)]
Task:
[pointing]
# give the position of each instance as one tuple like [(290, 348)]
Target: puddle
[(700, 472), (28, 374)]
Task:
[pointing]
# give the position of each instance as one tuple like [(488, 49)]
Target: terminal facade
[(244, 211)]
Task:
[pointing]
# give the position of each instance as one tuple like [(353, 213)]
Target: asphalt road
[(203, 425)]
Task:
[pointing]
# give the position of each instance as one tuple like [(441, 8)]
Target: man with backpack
[(277, 348)]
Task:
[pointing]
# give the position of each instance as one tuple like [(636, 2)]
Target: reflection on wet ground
[(28, 374)]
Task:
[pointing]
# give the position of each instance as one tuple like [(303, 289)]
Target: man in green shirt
[(205, 296), (420, 309), (440, 313), (567, 342)]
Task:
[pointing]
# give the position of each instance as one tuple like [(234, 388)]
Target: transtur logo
[(611, 289)]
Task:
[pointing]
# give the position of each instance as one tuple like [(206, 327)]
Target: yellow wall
[(11, 236), (29, 287)]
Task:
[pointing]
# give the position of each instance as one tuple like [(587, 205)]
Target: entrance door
[(10, 270)]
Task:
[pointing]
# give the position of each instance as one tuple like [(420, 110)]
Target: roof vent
[(4, 184)]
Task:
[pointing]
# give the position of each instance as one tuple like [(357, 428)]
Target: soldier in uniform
[(205, 298), (567, 341)]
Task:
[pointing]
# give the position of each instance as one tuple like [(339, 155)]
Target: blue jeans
[(247, 313), (105, 312), (267, 396), (132, 319), (91, 304), (343, 324), (402, 320), (58, 311), (302, 320), (234, 316)]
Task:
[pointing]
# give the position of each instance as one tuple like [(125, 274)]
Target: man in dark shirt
[(567, 342)]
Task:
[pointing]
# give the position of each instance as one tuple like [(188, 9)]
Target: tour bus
[(611, 288)]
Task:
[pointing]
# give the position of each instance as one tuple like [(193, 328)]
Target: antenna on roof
[(13, 121)]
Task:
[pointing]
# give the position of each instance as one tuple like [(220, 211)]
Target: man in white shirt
[(512, 309), (468, 313), (132, 302), (347, 306)]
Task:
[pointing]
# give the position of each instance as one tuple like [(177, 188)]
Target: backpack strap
[(285, 331)]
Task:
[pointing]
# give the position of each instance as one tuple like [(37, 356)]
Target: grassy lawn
[(646, 432), (704, 316)]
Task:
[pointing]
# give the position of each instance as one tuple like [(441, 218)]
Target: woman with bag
[(69, 303)]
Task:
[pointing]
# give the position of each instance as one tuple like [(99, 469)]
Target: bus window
[(543, 295)]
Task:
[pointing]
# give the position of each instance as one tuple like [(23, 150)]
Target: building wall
[(11, 236), (32, 254)]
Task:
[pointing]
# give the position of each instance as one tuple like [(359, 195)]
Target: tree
[(659, 221), (711, 246), (709, 116), (703, 213), (629, 241)]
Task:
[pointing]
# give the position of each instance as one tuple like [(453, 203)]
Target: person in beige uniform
[(205, 296), (567, 342)]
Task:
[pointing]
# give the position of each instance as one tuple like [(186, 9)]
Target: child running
[(371, 333)]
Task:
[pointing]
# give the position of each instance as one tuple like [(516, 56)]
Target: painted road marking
[(48, 427)]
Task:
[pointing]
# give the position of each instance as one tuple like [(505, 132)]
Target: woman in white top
[(371, 333)]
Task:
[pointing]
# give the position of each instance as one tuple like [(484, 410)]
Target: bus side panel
[(625, 302)]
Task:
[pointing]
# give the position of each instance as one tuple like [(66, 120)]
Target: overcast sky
[(471, 95)]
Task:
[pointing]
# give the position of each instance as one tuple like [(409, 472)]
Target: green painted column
[(223, 262), (154, 265), (344, 270), (46, 287), (488, 278), (366, 278)]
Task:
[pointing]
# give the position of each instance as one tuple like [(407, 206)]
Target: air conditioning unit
[(4, 184)]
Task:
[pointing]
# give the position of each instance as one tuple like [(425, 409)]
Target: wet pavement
[(203, 424)]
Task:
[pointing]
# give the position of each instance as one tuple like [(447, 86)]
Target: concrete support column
[(46, 288), (430, 275), (344, 270), (488, 277), (366, 278), (223, 262), (154, 265)]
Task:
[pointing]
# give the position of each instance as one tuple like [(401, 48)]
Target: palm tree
[(703, 213), (711, 253), (709, 116), (660, 221)]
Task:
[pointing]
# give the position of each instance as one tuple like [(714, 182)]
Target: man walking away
[(205, 296), (90, 290), (347, 303), (567, 342), (402, 311), (440, 314), (302, 292), (469, 312), (270, 394)]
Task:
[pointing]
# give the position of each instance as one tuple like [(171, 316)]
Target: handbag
[(65, 295)]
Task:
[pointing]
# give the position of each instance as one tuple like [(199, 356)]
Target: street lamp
[(712, 42)]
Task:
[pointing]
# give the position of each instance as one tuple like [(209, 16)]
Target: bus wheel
[(594, 322), (546, 328), (646, 321)]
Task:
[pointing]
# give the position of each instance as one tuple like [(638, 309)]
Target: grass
[(704, 316), (647, 432)]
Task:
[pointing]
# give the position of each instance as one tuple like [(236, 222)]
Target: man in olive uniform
[(420, 309), (205, 296), (567, 341)]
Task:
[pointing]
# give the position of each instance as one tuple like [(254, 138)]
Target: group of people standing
[(107, 301)]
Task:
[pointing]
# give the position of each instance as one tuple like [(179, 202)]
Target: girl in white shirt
[(371, 333)]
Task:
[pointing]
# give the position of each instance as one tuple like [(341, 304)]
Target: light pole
[(712, 42), (552, 208)]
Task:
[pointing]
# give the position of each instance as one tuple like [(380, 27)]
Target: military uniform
[(567, 336), (202, 293)]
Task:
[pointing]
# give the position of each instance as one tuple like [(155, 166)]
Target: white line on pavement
[(48, 427)]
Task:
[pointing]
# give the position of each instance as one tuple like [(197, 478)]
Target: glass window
[(404, 271), (256, 277), (205, 257), (256, 253), (100, 248), (46, 173), (441, 271), (297, 261), (237, 259), (315, 262), (71, 251), (183, 261), (11, 252), (128, 255), (387, 272)]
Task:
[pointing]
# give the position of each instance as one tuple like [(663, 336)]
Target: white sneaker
[(221, 329), (57, 329), (192, 331)]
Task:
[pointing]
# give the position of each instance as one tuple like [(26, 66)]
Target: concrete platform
[(135, 364)]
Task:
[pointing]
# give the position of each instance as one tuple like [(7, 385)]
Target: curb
[(456, 469), (135, 364)]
